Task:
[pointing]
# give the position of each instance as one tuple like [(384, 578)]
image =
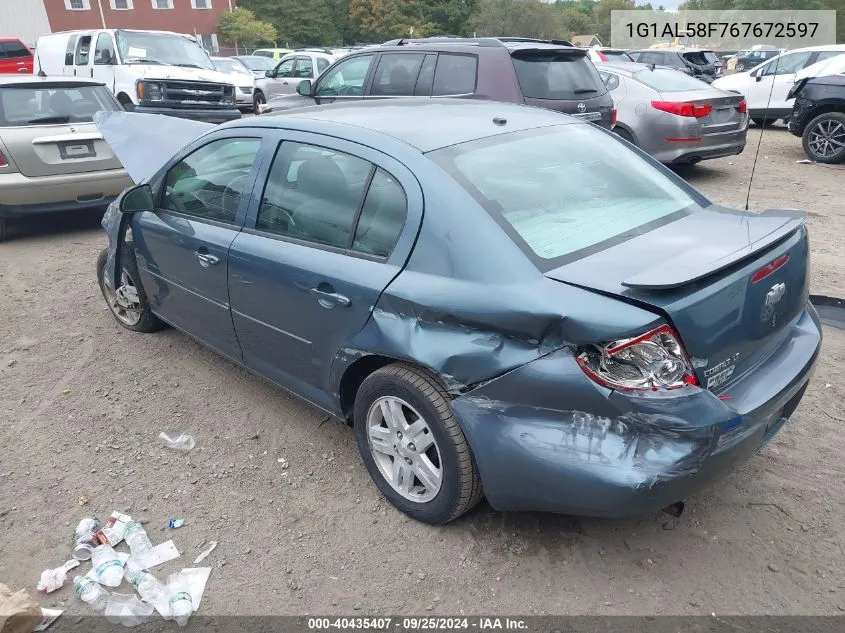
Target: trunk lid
[(48, 150), (724, 115), (731, 283)]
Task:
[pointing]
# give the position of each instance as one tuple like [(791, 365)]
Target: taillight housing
[(654, 361), (742, 106), (613, 117), (696, 110)]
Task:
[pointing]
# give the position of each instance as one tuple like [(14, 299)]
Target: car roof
[(459, 44), (423, 123), (18, 81), (830, 47)]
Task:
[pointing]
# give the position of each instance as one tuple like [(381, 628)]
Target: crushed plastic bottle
[(126, 609), (136, 537), (107, 565), (90, 592), (181, 603), (178, 440), (150, 589)]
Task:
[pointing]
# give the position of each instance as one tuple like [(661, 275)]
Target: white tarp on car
[(145, 142), (829, 66)]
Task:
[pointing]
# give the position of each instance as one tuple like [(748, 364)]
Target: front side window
[(555, 75), (396, 74), (558, 204), (104, 50), (313, 194), (346, 78), (455, 74), (49, 106), (828, 54), (788, 64), (211, 182), (148, 47), (285, 68)]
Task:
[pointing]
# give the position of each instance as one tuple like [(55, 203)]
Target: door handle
[(329, 299), (207, 260)]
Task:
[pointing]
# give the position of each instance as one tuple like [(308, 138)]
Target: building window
[(201, 4), (162, 4), (121, 5), (77, 5)]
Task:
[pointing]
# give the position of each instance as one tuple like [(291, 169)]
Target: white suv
[(285, 77), (766, 87)]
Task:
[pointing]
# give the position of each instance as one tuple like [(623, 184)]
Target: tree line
[(295, 23)]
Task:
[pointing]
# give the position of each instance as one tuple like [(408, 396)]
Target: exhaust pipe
[(675, 510)]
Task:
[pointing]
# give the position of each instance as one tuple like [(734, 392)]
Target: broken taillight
[(697, 110), (653, 361), (613, 117)]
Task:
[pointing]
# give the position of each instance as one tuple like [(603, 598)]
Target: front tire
[(258, 99), (128, 303), (824, 138), (413, 446)]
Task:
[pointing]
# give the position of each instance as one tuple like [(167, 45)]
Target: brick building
[(29, 19)]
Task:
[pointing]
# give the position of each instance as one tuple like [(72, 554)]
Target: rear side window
[(555, 75), (14, 50), (426, 76), (558, 204), (455, 74), (322, 64), (396, 74), (665, 80), (382, 216), (46, 106)]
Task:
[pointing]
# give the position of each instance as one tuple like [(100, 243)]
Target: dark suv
[(700, 64), (818, 117), (548, 74)]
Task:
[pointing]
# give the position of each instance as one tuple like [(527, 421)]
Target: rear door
[(396, 75), (564, 80), (334, 225), (49, 130), (183, 246), (15, 57)]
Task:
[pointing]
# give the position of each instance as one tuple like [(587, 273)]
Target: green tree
[(242, 27)]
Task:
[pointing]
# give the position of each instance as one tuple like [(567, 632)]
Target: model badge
[(773, 297)]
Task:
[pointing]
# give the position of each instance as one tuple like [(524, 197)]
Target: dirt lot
[(82, 401)]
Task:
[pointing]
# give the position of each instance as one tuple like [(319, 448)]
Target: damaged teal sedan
[(504, 302)]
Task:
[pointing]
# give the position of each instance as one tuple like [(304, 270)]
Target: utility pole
[(102, 15)]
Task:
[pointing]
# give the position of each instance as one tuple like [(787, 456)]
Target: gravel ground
[(83, 400)]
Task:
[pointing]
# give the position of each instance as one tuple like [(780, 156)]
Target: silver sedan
[(674, 117)]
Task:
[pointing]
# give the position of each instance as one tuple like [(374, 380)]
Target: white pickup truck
[(156, 72)]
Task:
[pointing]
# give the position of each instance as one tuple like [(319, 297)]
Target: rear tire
[(4, 227), (138, 318), (433, 444), (624, 134), (762, 121), (824, 138)]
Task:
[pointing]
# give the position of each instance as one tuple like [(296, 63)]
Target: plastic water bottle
[(150, 589), (181, 605), (91, 592), (107, 565), (179, 441), (136, 537)]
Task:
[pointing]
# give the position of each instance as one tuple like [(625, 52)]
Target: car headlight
[(150, 91)]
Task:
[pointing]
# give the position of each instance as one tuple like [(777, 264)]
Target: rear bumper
[(21, 195), (546, 438), (208, 116), (713, 146)]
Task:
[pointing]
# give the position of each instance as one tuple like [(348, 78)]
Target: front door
[(334, 226), (281, 79), (104, 59), (183, 247), (767, 92)]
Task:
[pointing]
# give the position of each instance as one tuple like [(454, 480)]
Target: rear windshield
[(555, 75), (46, 106), (616, 56), (666, 80), (560, 203), (697, 58)]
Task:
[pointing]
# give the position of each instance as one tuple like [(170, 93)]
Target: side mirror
[(304, 88), (758, 77), (269, 74), (137, 199)]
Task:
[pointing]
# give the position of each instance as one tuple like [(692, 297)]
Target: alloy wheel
[(404, 449), (827, 138), (124, 302)]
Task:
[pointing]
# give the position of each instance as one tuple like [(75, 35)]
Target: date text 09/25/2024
[(783, 30), (422, 623)]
